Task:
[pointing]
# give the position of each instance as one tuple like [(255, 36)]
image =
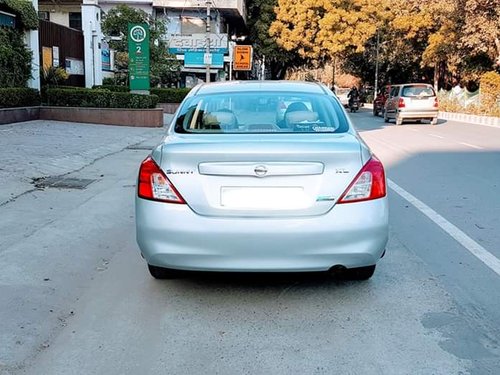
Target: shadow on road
[(259, 280)]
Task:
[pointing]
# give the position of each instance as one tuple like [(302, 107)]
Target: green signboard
[(138, 56)]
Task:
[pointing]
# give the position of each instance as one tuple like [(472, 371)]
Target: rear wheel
[(361, 273), (386, 119), (163, 273), (375, 112)]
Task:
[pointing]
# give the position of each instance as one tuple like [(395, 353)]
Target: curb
[(471, 119)]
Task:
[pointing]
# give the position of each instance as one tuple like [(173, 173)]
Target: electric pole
[(208, 59), (376, 65)]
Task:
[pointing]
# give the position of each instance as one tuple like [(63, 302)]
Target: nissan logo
[(260, 171)]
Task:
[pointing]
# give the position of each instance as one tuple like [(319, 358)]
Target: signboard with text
[(197, 43), (198, 60), (138, 56), (242, 57)]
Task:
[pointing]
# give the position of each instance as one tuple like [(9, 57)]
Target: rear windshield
[(258, 112), (421, 91)]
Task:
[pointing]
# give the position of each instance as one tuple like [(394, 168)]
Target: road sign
[(138, 56), (242, 57)]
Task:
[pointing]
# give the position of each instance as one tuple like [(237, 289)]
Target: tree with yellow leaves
[(324, 29)]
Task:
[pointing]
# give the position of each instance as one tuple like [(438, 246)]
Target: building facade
[(186, 32)]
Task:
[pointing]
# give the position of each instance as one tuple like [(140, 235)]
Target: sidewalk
[(43, 148)]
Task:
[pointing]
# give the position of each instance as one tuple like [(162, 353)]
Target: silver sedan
[(234, 186)]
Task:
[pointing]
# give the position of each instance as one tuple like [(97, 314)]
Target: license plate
[(272, 198)]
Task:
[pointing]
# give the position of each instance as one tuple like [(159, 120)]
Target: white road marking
[(473, 146), (468, 243), (436, 136)]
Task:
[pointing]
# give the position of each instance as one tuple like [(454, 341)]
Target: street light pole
[(376, 64), (207, 42), (231, 50), (263, 67)]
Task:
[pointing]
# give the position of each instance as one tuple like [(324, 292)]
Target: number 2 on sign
[(138, 50)]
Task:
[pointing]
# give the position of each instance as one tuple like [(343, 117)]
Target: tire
[(434, 121), (161, 273), (375, 112), (386, 119), (361, 273)]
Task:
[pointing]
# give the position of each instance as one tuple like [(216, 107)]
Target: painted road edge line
[(473, 146), (472, 246)]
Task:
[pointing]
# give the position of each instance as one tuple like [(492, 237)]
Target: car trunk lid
[(261, 175)]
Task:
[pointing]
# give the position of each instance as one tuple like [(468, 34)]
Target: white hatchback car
[(411, 101), (342, 93), (235, 187)]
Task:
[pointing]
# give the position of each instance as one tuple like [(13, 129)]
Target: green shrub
[(108, 81), (19, 97), (114, 88), (170, 95), (99, 99), (15, 58)]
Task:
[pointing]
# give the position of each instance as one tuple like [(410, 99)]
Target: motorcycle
[(353, 104)]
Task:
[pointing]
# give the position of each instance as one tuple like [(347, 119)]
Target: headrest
[(301, 116), (219, 118), (296, 106)]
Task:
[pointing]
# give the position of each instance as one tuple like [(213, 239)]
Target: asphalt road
[(76, 298)]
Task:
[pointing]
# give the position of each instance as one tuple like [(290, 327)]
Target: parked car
[(342, 95), (380, 99), (234, 188), (411, 101)]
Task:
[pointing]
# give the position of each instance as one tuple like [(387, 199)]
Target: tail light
[(436, 102), (367, 185), (154, 185), (401, 103)]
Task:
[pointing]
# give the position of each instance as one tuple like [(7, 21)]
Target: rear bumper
[(173, 236), (430, 113)]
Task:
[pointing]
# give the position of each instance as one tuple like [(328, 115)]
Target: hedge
[(114, 88), (485, 102), (19, 97), (170, 95), (490, 89), (99, 99)]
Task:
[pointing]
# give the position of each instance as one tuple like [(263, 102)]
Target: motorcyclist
[(353, 95)]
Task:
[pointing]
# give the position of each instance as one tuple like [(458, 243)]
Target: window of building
[(45, 16), (7, 19), (195, 25), (75, 20)]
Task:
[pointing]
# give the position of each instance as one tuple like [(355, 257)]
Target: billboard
[(178, 44)]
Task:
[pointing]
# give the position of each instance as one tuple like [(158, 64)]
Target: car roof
[(412, 84), (262, 86)]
